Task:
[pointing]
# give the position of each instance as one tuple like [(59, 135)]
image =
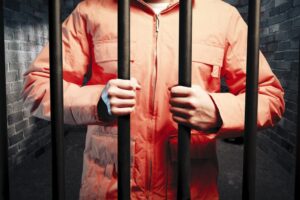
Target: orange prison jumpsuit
[(219, 50)]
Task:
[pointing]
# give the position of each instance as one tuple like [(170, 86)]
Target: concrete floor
[(31, 180)]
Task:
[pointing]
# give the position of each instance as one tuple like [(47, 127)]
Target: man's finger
[(122, 103), (182, 112), (126, 84), (180, 91), (121, 93), (182, 102)]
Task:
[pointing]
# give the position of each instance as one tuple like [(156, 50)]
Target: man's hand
[(118, 98), (194, 108)]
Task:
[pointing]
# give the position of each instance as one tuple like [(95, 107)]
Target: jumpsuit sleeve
[(231, 105), (80, 102)]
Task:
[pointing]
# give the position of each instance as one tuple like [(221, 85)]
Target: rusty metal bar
[(4, 175), (124, 121), (251, 100), (56, 95), (185, 61)]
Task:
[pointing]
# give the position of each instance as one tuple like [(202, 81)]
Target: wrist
[(218, 122), (102, 111)]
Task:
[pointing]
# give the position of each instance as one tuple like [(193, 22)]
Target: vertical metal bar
[(124, 121), (185, 58), (251, 100), (297, 170), (4, 177), (56, 89)]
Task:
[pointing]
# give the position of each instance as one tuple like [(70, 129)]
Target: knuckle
[(193, 91), (113, 101), (191, 121), (173, 90), (110, 91), (132, 94), (192, 102), (112, 81), (133, 101)]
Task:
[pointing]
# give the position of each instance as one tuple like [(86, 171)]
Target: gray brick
[(15, 117), (280, 2), (42, 123), (285, 7), (16, 86), (279, 55), (14, 139), (296, 2), (13, 97), (291, 105), (287, 146), (12, 5), (287, 25), (294, 33), (12, 150), (287, 124), (291, 55), (282, 36), (33, 120), (291, 95), (13, 45), (294, 12), (274, 28), (296, 22), (9, 109), (293, 85), (292, 139), (17, 106), (15, 66), (21, 125), (26, 143), (272, 46), (12, 76), (278, 18), (11, 130), (26, 113), (30, 131), (284, 45), (294, 44)]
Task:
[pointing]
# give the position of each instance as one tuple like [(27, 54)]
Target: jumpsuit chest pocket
[(106, 55), (207, 62)]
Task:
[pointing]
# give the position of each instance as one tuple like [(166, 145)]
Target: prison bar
[(56, 94), (4, 177), (124, 121), (185, 61), (297, 170), (249, 163)]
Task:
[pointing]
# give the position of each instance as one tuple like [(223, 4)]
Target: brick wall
[(26, 32), (280, 29)]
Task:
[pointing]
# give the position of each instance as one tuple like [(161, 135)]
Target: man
[(152, 97)]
